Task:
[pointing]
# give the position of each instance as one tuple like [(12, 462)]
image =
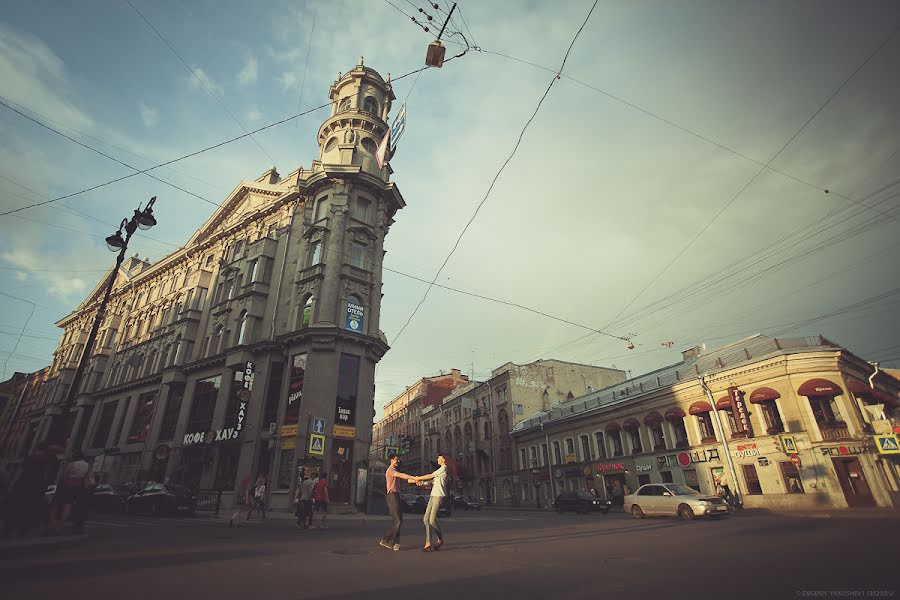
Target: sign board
[(388, 450), (288, 430), (343, 431), (741, 414), (289, 443), (570, 458), (208, 437), (746, 450), (356, 315), (606, 467), (318, 425), (243, 395), (789, 444), (316, 444), (796, 460), (887, 444), (763, 461)]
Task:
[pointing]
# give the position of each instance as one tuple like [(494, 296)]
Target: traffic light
[(405, 444)]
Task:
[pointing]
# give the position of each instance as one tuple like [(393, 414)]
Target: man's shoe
[(386, 545), (438, 545), (396, 548)]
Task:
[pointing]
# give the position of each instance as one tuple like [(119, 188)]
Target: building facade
[(399, 426), (250, 351), (474, 423), (22, 421), (788, 423)]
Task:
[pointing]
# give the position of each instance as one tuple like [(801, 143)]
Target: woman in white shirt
[(438, 492)]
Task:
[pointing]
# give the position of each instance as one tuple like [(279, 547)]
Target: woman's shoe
[(438, 545), (427, 549)]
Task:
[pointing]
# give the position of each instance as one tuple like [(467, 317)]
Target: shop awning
[(723, 403), (674, 413), (631, 423), (699, 407), (820, 387), (763, 394), (613, 427), (653, 418), (861, 389)]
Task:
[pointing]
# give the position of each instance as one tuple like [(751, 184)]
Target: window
[(140, 425), (173, 409), (487, 431), (362, 210), (601, 444), (227, 467), (331, 145), (273, 394), (205, 394), (656, 434), (271, 232), (345, 105), (751, 479), (104, 424), (666, 476), (522, 459), (238, 250), (307, 312), (691, 479), (369, 145), (209, 260), (201, 298), (570, 448), (315, 253), (557, 453), (772, 417), (252, 268), (681, 438), (791, 475), (732, 423), (585, 448), (533, 457), (242, 336), (824, 410), (370, 105), (707, 433), (643, 479), (358, 255), (635, 438), (616, 443), (545, 454), (285, 468)]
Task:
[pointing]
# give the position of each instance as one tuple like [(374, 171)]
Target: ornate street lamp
[(144, 220)]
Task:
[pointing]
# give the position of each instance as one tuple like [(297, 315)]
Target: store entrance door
[(853, 482)]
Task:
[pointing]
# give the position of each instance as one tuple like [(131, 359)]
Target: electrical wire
[(496, 177), (25, 326)]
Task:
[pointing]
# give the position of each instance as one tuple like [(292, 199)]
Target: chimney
[(691, 353)]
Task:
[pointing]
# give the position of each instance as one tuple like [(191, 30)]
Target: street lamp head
[(115, 242), (145, 219)]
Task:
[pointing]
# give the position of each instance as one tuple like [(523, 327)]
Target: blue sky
[(612, 180)]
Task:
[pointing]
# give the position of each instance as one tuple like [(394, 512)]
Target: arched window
[(503, 423), (458, 439), (306, 315), (242, 328), (369, 145), (331, 145), (344, 105), (370, 105)]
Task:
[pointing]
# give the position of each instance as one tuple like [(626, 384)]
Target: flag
[(398, 127), (382, 149)]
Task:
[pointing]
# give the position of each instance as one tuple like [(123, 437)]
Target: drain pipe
[(737, 487), (872, 376)]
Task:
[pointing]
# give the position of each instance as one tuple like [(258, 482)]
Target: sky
[(670, 190)]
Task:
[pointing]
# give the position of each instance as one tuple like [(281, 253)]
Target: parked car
[(110, 497), (159, 499), (466, 503), (674, 499), (580, 502), (416, 504)]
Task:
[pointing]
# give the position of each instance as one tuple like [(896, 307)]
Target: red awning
[(723, 403), (613, 427), (653, 418), (820, 387), (631, 423), (763, 394), (861, 389), (674, 413), (700, 407)]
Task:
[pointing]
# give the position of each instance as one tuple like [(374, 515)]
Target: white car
[(673, 500)]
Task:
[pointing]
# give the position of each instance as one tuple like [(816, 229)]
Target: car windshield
[(584, 494), (682, 490)]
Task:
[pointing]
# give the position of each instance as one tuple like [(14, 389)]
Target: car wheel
[(637, 511), (685, 512)]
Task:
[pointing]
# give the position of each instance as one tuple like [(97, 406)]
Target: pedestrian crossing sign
[(317, 444), (887, 444)]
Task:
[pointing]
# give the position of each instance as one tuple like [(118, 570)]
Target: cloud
[(149, 114), (254, 115), (207, 82), (60, 284), (21, 275), (249, 73), (287, 80)]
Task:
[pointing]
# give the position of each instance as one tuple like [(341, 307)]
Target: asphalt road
[(487, 554)]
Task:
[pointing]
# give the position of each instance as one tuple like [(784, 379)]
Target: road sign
[(887, 444), (343, 431), (788, 444), (319, 425), (796, 460), (317, 444), (388, 450)]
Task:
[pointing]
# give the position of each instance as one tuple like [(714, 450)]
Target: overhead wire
[(24, 327), (496, 177)]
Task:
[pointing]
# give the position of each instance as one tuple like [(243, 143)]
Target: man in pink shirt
[(391, 539)]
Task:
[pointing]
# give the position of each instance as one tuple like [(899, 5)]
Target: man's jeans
[(393, 504), (431, 515)]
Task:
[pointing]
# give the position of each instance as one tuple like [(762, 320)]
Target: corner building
[(219, 362)]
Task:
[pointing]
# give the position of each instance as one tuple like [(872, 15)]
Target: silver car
[(673, 499)]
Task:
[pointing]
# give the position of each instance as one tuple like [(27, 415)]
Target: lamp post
[(142, 219)]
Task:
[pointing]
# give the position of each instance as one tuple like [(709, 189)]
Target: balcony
[(361, 275), (834, 431)]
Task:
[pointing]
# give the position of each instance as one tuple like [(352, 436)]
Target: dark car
[(416, 504), (110, 498), (466, 503), (159, 499), (580, 502)]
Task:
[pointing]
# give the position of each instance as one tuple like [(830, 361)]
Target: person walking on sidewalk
[(259, 498), (439, 490), (320, 498), (239, 515), (305, 503), (391, 539)]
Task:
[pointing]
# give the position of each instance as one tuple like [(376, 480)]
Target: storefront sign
[(344, 431), (842, 450), (570, 458), (763, 461), (288, 430), (573, 472), (607, 467), (685, 459), (244, 396), (743, 450), (741, 414), (206, 437), (355, 317), (289, 443), (643, 468)]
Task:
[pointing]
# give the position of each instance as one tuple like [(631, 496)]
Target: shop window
[(707, 432), (226, 469), (691, 479), (752, 480), (666, 476), (285, 470), (273, 394), (104, 424), (772, 417), (173, 409), (557, 453), (140, 425), (601, 444), (793, 484), (643, 479), (204, 405)]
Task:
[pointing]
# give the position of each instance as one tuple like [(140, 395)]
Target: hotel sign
[(741, 414)]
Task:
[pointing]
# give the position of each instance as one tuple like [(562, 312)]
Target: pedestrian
[(391, 539), (71, 487), (239, 515), (258, 501), (439, 490), (26, 505), (305, 502), (83, 503), (320, 500)]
